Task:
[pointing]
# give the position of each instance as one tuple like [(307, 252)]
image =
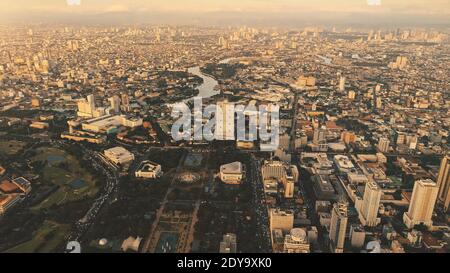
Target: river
[(207, 88)]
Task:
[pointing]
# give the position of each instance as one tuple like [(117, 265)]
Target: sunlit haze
[(228, 11)]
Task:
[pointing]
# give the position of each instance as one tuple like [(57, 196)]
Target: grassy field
[(11, 147), (61, 169), (46, 239)]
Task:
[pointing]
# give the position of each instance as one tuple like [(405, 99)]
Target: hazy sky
[(431, 9)]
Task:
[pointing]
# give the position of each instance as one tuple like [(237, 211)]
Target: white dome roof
[(298, 234), (103, 242)]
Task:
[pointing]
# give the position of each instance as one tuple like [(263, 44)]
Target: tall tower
[(342, 84), (225, 121), (338, 226), (443, 182), (371, 203), (115, 104), (91, 103), (422, 204)]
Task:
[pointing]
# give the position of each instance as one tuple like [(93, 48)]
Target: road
[(261, 209)]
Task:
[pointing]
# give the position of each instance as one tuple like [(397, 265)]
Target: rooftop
[(235, 167)]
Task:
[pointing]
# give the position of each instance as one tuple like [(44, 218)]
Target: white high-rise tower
[(371, 202), (422, 204)]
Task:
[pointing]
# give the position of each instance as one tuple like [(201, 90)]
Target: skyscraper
[(86, 108), (91, 102), (370, 205), (422, 204), (443, 182), (115, 103), (225, 121), (338, 226)]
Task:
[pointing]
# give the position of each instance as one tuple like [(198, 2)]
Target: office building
[(87, 108), (284, 173), (273, 169), (357, 236), (368, 211), (422, 203), (281, 219), (338, 226)]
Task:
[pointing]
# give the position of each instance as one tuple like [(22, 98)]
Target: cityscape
[(89, 161)]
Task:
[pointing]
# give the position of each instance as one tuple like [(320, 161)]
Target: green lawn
[(45, 239), (53, 173)]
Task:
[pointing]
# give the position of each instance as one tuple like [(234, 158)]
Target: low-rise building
[(23, 184), (296, 241), (119, 155), (148, 169), (8, 187), (109, 124), (343, 163), (232, 173), (8, 201)]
